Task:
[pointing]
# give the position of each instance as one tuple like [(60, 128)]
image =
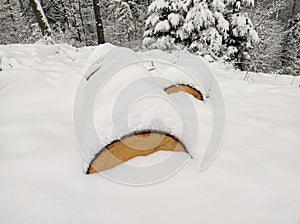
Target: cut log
[(185, 88), (130, 146)]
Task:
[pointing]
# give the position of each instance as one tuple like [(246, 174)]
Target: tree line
[(258, 35)]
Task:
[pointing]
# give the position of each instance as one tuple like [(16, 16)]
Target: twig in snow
[(67, 54), (246, 76), (293, 80), (251, 79)]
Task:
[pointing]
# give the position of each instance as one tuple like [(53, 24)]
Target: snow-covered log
[(184, 88), (123, 110), (133, 145)]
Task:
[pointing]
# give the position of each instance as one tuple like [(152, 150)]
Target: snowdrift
[(254, 179)]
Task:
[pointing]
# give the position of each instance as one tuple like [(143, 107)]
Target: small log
[(184, 88)]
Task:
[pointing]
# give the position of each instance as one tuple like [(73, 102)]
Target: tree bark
[(40, 17), (99, 24), (21, 5), (294, 7), (82, 22)]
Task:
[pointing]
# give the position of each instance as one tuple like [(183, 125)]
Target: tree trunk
[(21, 5), (11, 14), (99, 24), (81, 20), (40, 17), (88, 22), (294, 8)]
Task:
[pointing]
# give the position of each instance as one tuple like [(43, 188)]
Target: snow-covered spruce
[(164, 25), (217, 27), (242, 34), (206, 27)]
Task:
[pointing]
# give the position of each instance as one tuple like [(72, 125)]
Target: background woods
[(260, 35)]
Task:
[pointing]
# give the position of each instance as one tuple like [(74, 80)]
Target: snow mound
[(123, 97), (255, 178)]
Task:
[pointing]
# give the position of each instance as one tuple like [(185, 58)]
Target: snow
[(152, 20), (207, 21), (200, 16), (232, 50), (166, 43), (158, 5), (174, 19), (165, 17), (162, 26), (218, 5), (254, 179), (223, 24)]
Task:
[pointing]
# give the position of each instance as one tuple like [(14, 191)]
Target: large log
[(133, 145)]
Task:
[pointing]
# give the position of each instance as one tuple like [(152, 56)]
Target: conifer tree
[(123, 18), (242, 34), (206, 27), (215, 27), (164, 26), (291, 47)]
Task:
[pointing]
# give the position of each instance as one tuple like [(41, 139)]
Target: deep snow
[(254, 179)]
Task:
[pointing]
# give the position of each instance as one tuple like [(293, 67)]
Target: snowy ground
[(255, 178)]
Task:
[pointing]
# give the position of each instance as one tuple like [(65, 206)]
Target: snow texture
[(255, 178)]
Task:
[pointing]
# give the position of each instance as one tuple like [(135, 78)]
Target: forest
[(256, 35)]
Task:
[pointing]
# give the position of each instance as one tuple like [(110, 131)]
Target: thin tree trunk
[(21, 5), (40, 17), (82, 22), (65, 14), (99, 24), (11, 13), (77, 20), (294, 8), (255, 3)]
